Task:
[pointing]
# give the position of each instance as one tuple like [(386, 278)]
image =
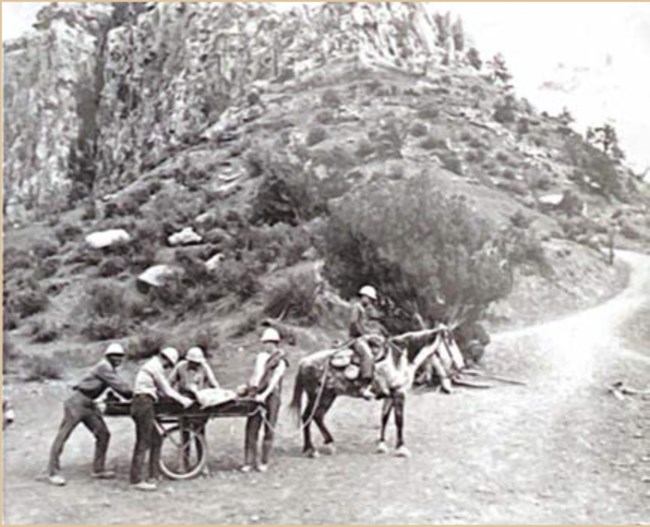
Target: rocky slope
[(249, 125)]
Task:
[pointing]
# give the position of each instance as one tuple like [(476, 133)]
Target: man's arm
[(166, 389), (356, 321), (108, 375), (258, 372), (275, 379), (212, 380)]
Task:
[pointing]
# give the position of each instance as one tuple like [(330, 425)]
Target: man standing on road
[(80, 408), (266, 384), (150, 383)]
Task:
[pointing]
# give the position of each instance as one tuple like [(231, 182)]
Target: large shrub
[(419, 246), (293, 297)]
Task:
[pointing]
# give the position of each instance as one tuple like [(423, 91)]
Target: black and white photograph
[(326, 263)]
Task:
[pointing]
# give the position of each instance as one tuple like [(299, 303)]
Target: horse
[(394, 373)]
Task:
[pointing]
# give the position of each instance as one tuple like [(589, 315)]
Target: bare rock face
[(50, 95), (101, 93)]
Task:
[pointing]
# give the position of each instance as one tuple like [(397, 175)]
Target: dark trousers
[(253, 425), (80, 409), (147, 439)]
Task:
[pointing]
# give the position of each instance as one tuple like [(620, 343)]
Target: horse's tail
[(296, 401)]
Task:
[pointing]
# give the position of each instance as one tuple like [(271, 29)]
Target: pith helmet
[(369, 291), (171, 354), (270, 335)]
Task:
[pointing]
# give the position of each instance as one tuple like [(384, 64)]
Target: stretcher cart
[(184, 451)]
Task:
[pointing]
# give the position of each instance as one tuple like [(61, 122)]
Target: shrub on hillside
[(14, 258), (364, 149), (44, 249), (433, 143), (43, 332), (293, 297), (29, 301), (112, 266), (505, 111), (331, 99), (325, 117), (105, 328), (316, 135), (147, 344), (47, 268), (288, 194), (43, 368), (418, 129), (415, 245), (428, 112), (67, 232)]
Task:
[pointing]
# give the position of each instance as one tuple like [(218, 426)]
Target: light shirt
[(183, 378), (151, 380)]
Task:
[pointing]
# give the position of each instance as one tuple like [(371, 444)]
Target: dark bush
[(365, 149), (104, 328), (433, 143), (331, 99), (112, 266), (418, 129), (44, 249), (293, 297), (147, 344), (325, 117), (504, 112), (67, 232), (43, 332), (428, 112), (42, 368), (249, 324), (16, 259), (90, 211), (417, 245), (28, 302), (47, 268), (316, 135), (9, 353), (10, 319), (523, 126)]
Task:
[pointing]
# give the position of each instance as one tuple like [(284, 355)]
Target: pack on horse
[(396, 363)]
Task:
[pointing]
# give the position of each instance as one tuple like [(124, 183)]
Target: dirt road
[(559, 450)]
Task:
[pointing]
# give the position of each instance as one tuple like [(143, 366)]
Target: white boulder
[(213, 263), (101, 239), (187, 236), (159, 275)]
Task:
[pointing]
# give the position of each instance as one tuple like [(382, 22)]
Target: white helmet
[(171, 354), (195, 355), (369, 291), (114, 348), (270, 335)]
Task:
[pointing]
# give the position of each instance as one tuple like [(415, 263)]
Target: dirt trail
[(560, 450)]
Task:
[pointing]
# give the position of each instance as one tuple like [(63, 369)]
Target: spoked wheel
[(183, 454)]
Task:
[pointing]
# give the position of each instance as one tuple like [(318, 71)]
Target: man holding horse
[(266, 386)]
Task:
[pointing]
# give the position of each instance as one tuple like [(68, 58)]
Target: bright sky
[(535, 38)]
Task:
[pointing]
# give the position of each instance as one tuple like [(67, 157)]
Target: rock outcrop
[(100, 93)]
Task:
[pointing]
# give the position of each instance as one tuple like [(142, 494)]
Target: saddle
[(348, 361)]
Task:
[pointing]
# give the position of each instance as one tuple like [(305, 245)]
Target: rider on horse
[(360, 329)]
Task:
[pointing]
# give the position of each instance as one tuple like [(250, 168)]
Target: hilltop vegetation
[(438, 185)]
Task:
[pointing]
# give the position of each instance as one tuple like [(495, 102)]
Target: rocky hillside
[(261, 156)]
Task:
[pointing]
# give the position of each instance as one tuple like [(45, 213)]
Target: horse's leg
[(327, 399), (386, 408), (308, 446), (399, 400)]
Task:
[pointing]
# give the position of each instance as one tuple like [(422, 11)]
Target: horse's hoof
[(382, 448), (329, 449), (402, 452), (312, 454)]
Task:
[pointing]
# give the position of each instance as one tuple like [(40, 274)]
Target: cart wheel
[(183, 454)]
